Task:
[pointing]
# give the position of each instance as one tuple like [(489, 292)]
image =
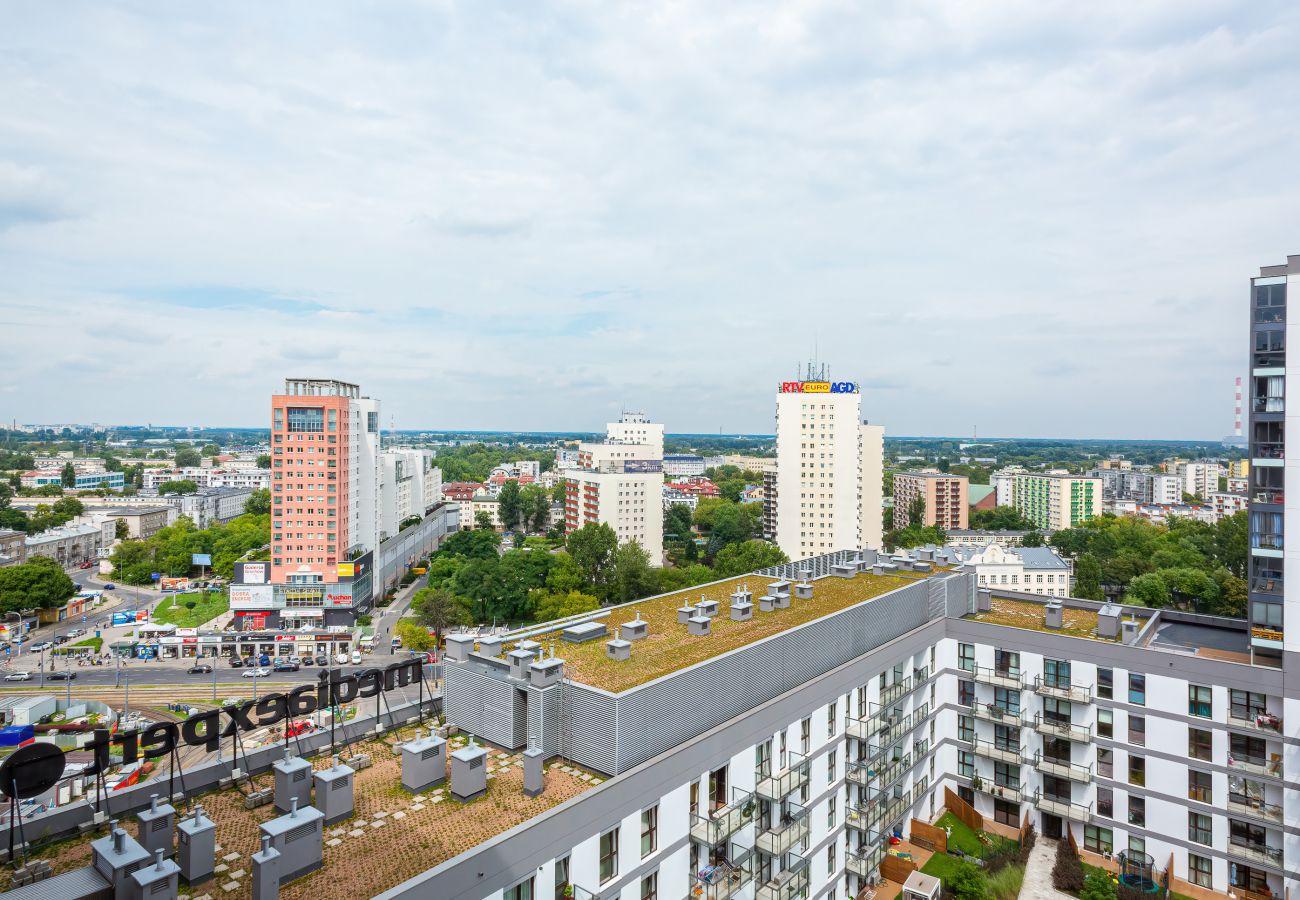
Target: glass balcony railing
[(1268, 450), (865, 862), (1007, 678), (991, 712), (1062, 689), (1259, 854), (880, 774), (723, 823), (1266, 541), (790, 830), (1008, 753), (724, 879), (895, 692), (783, 783), (1068, 730), (787, 884), (1066, 809), (998, 790), (1062, 769), (1256, 765), (1259, 721), (1251, 806), (1267, 584)]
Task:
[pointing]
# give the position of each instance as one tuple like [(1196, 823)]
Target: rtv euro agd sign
[(819, 387)]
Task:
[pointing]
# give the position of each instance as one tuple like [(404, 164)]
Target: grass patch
[(942, 866), (1005, 883), (93, 643), (172, 611), (961, 837), (1030, 615)]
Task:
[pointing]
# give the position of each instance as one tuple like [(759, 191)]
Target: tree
[(508, 506), (188, 457), (732, 524), (68, 476), (534, 507), (631, 577), (1087, 578), (471, 544), (483, 520), (39, 583), (264, 460), (966, 882), (549, 607), (558, 492), (258, 502), (438, 610), (68, 508), (121, 531), (749, 556), (706, 511), (1000, 518), (915, 512), (1148, 590), (210, 450), (179, 486), (677, 521), (592, 547), (564, 576), (1032, 539), (413, 635), (478, 582)]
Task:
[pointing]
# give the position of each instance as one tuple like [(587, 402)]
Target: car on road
[(37, 648), (75, 633), (322, 659), (200, 669), (61, 676), (236, 662), (256, 673), (285, 665), (19, 676), (356, 657), (343, 659), (110, 587), (87, 564)]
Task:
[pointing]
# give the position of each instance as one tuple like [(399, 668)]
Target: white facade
[(829, 474), (210, 504), (1166, 489), (675, 466), (1200, 478), (1225, 504), (409, 485), (1034, 570), (253, 479), (363, 507), (636, 428), (620, 482), (1004, 484)]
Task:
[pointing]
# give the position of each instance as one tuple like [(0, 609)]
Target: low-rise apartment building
[(1034, 570), (1054, 501), (69, 545), (83, 481), (203, 476), (946, 498), (676, 464), (143, 522), (13, 547), (209, 505)]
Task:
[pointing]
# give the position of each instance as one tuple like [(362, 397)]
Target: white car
[(343, 659), (356, 657), (19, 676), (37, 648), (255, 673)]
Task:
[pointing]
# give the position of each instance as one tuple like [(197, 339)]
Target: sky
[(1029, 217)]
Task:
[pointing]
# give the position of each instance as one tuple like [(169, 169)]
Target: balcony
[(892, 732), (1006, 678), (1001, 753), (1268, 450), (991, 712), (997, 790), (1274, 497), (1256, 854), (789, 779), (1264, 722), (784, 835), (1257, 765), (864, 863), (895, 692), (1250, 806), (1068, 730), (1063, 690), (864, 773), (1075, 812), (1072, 771), (718, 827), (723, 880), (785, 885), (1267, 544), (1267, 584)]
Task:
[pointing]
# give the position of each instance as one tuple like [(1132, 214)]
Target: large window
[(1105, 683), (1200, 744), (965, 728), (1199, 702), (1200, 828), (1106, 802), (1105, 762), (966, 693), (521, 891), (1105, 723), (608, 855), (1200, 786), (830, 720), (1056, 673), (1137, 689), (1137, 770), (650, 887), (1137, 811), (1200, 870), (1097, 839), (965, 764), (966, 657), (1246, 705), (306, 418), (649, 831), (1137, 730)]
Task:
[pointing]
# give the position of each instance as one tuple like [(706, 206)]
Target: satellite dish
[(31, 771)]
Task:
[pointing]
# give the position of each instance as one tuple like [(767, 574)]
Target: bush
[(966, 882), (408, 578), (363, 620), (384, 601), (1067, 874), (1005, 883), (1097, 886), (1031, 837)]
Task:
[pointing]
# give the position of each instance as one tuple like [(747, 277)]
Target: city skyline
[(1041, 235)]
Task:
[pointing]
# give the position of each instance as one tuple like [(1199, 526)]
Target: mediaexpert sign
[(206, 729), (819, 387)]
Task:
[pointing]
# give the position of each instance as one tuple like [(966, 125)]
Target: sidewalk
[(1038, 873)]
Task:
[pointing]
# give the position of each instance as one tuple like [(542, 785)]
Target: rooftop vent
[(741, 610), (489, 646), (766, 603), (707, 608), (583, 632), (984, 600), (684, 614), (699, 625), (634, 631), (1108, 621), (1054, 616), (618, 649), (1129, 629)]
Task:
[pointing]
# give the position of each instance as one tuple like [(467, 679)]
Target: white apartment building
[(1200, 478), (1225, 503), (210, 505), (1004, 484), (252, 479), (1034, 570), (829, 485), (620, 482), (677, 465), (409, 485)]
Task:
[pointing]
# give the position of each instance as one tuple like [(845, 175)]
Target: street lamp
[(41, 666)]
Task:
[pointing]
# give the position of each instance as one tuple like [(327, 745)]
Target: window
[(830, 720), (521, 891), (1137, 730), (1097, 839), (649, 831), (1106, 802), (1137, 811), (1200, 870), (966, 657), (1200, 786), (1200, 828), (805, 736), (1106, 683), (1246, 705), (650, 887), (1137, 770), (1056, 673), (966, 693), (1198, 701), (965, 728), (561, 875), (306, 418), (965, 764), (1137, 689), (1199, 744), (830, 813), (830, 767), (1105, 723), (608, 855), (830, 859)]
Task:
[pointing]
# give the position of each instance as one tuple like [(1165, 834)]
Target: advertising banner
[(252, 572), (174, 584), (251, 595)]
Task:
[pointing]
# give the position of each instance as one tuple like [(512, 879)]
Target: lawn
[(172, 611), (962, 838)]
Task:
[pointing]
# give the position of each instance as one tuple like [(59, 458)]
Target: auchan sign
[(819, 387)]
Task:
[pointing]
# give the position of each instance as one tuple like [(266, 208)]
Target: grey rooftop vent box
[(699, 625), (766, 603), (545, 672), (489, 646), (634, 631), (777, 588), (618, 649), (707, 608), (519, 662), (803, 590), (742, 612), (844, 570), (984, 600), (922, 566), (1054, 615), (684, 614), (531, 646), (459, 646), (805, 574), (1108, 621), (743, 594), (781, 601), (584, 631), (878, 569), (1129, 629)]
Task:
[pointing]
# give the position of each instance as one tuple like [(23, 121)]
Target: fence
[(933, 835), (964, 812), (896, 869)]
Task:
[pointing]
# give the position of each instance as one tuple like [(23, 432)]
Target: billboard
[(250, 595), (174, 584), (648, 466), (339, 595), (252, 572), (347, 570), (819, 387)]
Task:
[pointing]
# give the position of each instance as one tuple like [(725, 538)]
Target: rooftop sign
[(819, 387)]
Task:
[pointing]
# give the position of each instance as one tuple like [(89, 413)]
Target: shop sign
[(819, 387), (252, 573)]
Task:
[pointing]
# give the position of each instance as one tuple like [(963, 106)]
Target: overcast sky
[(1033, 217)]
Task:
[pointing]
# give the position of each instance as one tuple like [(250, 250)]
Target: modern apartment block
[(409, 485), (946, 498), (766, 747), (1140, 487), (1057, 500), (1200, 478), (619, 482), (1271, 610), (828, 491)]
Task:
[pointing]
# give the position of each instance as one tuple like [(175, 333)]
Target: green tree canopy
[(471, 544), (509, 507), (749, 556), (264, 460), (187, 457), (631, 577), (1000, 518), (179, 486), (592, 547), (1087, 578), (68, 476), (557, 606), (39, 583), (258, 502), (438, 610), (534, 507)]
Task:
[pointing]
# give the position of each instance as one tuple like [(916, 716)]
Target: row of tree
[(169, 551)]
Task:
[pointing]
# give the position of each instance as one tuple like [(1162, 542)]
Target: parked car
[(75, 633), (250, 662), (236, 662), (295, 729), (307, 660), (200, 669), (37, 648), (343, 659), (297, 661), (61, 676), (87, 564), (285, 665), (256, 673), (264, 660), (356, 657), (19, 676), (110, 587), (322, 659)]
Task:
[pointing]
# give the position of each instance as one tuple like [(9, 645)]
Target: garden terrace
[(668, 647), (1030, 614)]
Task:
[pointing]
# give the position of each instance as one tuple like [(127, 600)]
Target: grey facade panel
[(478, 701)]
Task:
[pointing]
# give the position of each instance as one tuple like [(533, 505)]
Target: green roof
[(977, 492)]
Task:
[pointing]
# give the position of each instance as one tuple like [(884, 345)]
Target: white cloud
[(1037, 217)]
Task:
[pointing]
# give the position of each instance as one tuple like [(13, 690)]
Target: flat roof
[(667, 647), (1029, 614)]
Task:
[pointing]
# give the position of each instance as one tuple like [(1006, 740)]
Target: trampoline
[(1137, 872)]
